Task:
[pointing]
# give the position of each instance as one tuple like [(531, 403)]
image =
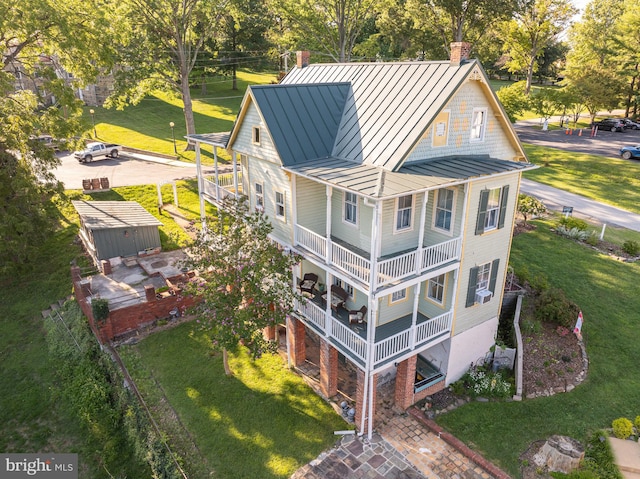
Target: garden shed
[(110, 229)]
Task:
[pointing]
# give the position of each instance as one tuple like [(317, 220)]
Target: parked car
[(611, 124), (628, 152), (629, 124), (96, 151)]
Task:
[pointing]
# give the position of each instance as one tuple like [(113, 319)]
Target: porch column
[(294, 208), (414, 314), (215, 169), (405, 379), (296, 335), (362, 416), (423, 215), (327, 310), (328, 369), (328, 227), (235, 174), (200, 184)]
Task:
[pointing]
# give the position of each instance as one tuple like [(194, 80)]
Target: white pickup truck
[(96, 151)]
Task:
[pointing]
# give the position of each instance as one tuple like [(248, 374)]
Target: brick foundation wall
[(297, 334), (328, 369), (405, 379), (360, 389), (428, 392)]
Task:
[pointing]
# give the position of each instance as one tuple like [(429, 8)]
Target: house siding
[(357, 235), (243, 143), (310, 200), (389, 312), (434, 235), (430, 308), (481, 249), (392, 241), (495, 143)]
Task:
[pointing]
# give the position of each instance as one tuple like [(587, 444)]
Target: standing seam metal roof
[(389, 107), (376, 182), (100, 215)]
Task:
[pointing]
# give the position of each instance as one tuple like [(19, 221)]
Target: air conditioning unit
[(483, 296)]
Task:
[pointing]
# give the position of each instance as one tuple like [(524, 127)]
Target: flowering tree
[(245, 280)]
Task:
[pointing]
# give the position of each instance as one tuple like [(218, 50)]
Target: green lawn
[(605, 291), (608, 180), (263, 422), (146, 125)]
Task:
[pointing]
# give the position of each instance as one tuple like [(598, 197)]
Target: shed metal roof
[(214, 139), (100, 215), (376, 182), (303, 120), (389, 106)]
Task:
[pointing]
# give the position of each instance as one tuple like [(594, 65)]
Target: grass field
[(146, 125), (263, 422), (604, 290)]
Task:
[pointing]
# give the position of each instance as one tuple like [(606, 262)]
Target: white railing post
[(215, 170), (328, 258)]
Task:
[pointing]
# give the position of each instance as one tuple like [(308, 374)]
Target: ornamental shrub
[(480, 381), (622, 428), (569, 222), (553, 306), (636, 423), (100, 309), (631, 247), (572, 233)]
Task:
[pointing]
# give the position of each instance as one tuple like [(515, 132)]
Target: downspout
[(463, 228), (328, 258), (294, 207)]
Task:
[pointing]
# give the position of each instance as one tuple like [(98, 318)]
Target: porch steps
[(55, 307), (626, 456)]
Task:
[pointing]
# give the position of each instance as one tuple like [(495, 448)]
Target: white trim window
[(483, 278), (478, 124), (346, 286), (398, 296), (255, 135), (404, 213), (350, 208), (443, 214), (493, 209), (259, 198), (435, 289), (280, 206)]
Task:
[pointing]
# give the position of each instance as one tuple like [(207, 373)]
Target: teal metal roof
[(302, 120), (100, 215), (214, 139), (377, 182), (389, 106)]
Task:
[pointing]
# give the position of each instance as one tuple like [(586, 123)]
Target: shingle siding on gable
[(495, 144), (243, 143)]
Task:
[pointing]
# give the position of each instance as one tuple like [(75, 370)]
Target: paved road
[(127, 170)]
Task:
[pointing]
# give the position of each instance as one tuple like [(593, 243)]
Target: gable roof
[(302, 120), (100, 215), (391, 105)]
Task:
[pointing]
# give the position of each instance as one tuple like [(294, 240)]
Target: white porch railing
[(433, 327), (384, 349), (225, 179), (312, 241), (350, 340), (350, 262), (440, 254), (397, 267), (210, 188)]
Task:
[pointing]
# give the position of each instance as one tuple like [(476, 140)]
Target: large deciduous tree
[(245, 280), (328, 26), (535, 27), (37, 39), (160, 45)]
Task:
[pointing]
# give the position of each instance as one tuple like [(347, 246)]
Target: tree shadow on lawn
[(262, 422)]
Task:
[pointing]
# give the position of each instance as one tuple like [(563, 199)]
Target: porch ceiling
[(376, 182)]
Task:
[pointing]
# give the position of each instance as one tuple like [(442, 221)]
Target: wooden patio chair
[(308, 283)]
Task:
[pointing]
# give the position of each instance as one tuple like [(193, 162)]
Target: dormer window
[(255, 135)]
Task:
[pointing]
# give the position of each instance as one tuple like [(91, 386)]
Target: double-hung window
[(259, 197), (482, 283), (478, 124), (346, 286), (492, 209), (435, 289), (444, 209), (280, 209), (350, 208), (399, 296), (404, 213)]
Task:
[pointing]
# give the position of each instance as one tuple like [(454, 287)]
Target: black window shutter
[(503, 205), (471, 292), (494, 274), (482, 211)]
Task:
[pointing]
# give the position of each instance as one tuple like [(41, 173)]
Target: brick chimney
[(302, 58), (459, 52)]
